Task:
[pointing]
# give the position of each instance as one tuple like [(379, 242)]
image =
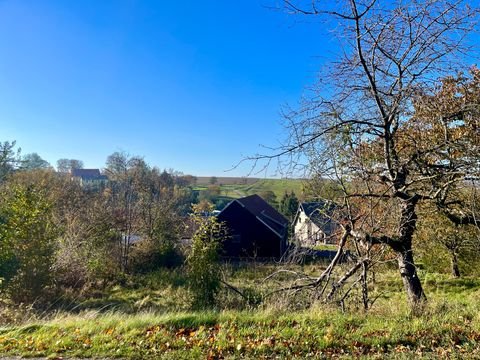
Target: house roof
[(314, 206), (88, 174), (264, 213), (317, 211)]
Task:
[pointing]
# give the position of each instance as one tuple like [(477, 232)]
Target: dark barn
[(255, 229)]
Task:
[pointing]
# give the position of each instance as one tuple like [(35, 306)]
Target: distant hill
[(225, 180), (238, 187), (278, 186)]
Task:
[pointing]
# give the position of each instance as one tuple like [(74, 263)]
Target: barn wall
[(248, 236)]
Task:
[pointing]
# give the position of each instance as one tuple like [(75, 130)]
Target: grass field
[(278, 186), (225, 180), (150, 317)]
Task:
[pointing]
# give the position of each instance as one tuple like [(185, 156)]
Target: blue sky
[(189, 85)]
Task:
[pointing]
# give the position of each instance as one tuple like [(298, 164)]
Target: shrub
[(148, 256), (203, 259), (27, 241)]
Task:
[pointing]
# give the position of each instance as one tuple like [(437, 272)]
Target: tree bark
[(408, 272), (406, 265), (365, 286)]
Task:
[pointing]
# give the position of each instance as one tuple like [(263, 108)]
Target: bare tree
[(67, 165), (364, 125), (143, 203)]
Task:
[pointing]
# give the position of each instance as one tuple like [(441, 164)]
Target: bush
[(147, 257), (27, 241), (203, 259)]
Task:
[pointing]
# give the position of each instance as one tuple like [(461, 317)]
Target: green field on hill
[(278, 186)]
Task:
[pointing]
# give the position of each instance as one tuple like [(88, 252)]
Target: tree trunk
[(365, 286), (406, 264), (455, 268), (408, 272)]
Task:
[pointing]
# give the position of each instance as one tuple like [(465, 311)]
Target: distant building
[(255, 229), (312, 224), (91, 178)]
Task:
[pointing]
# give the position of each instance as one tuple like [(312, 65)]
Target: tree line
[(56, 234)]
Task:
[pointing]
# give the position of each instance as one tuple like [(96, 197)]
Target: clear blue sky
[(189, 85)]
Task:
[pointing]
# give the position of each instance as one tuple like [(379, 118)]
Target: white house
[(312, 224), (91, 178)]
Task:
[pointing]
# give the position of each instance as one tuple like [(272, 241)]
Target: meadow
[(235, 188), (150, 316)]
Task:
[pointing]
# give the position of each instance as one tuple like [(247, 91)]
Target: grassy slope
[(449, 326), (225, 180), (278, 186)]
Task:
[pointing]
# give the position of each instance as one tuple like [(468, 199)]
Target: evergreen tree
[(289, 205)]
